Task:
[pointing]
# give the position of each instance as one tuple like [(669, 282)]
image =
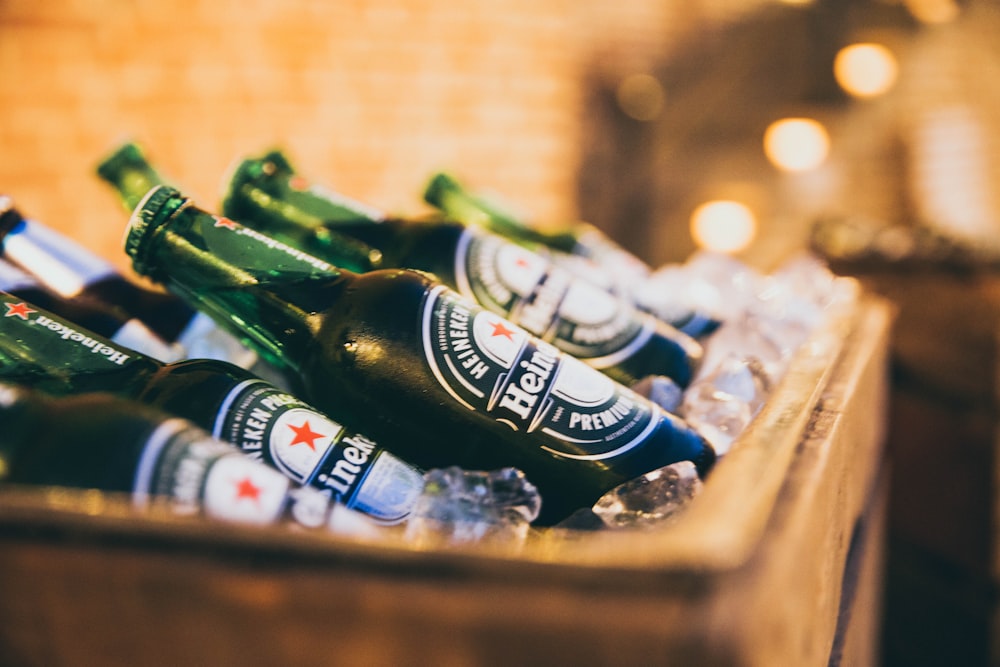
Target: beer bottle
[(444, 380), (129, 172), (42, 350), (580, 239), (71, 270), (580, 248), (575, 315), (100, 441), (104, 321)]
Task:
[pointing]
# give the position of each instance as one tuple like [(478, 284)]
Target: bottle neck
[(257, 287), (130, 174), (268, 195), (272, 183), (44, 350), (459, 204)]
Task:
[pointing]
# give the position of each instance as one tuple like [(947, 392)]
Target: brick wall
[(367, 96)]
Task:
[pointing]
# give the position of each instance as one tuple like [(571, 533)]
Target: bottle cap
[(278, 158), (9, 216), (439, 184), (155, 209), (128, 154)]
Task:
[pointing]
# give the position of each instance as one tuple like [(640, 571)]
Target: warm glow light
[(796, 144), (865, 70), (933, 11), (723, 226), (641, 96)]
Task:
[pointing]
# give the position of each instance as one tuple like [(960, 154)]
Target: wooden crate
[(776, 563), (944, 430)]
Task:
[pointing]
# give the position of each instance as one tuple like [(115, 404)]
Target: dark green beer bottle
[(580, 239), (442, 379), (580, 248), (104, 321), (576, 316), (42, 350), (104, 442), (128, 170)]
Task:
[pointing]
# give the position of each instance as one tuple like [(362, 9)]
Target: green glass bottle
[(527, 288), (580, 248), (442, 379), (128, 170), (44, 351), (104, 442), (581, 239), (91, 315), (444, 192)]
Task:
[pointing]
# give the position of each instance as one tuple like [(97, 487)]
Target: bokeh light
[(865, 70), (723, 226), (796, 144), (933, 11), (641, 96)]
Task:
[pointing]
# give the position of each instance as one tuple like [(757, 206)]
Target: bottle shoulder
[(194, 389), (423, 244)]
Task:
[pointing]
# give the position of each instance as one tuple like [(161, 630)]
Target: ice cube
[(650, 499), (462, 506), (721, 404), (660, 390)]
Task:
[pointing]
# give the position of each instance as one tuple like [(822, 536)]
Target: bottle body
[(526, 287), (267, 423), (98, 441), (444, 380), (472, 389)]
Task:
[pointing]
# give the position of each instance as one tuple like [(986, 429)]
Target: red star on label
[(500, 330), (305, 434), (225, 222), (298, 183), (18, 309), (522, 262), (245, 488)]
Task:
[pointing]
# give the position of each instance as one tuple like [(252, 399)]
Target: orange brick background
[(367, 96)]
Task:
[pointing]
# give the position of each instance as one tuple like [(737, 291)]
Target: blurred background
[(734, 125)]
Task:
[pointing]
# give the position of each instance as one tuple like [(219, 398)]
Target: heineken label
[(255, 252), (199, 475), (59, 342), (312, 449), (53, 339), (578, 316), (490, 365)]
